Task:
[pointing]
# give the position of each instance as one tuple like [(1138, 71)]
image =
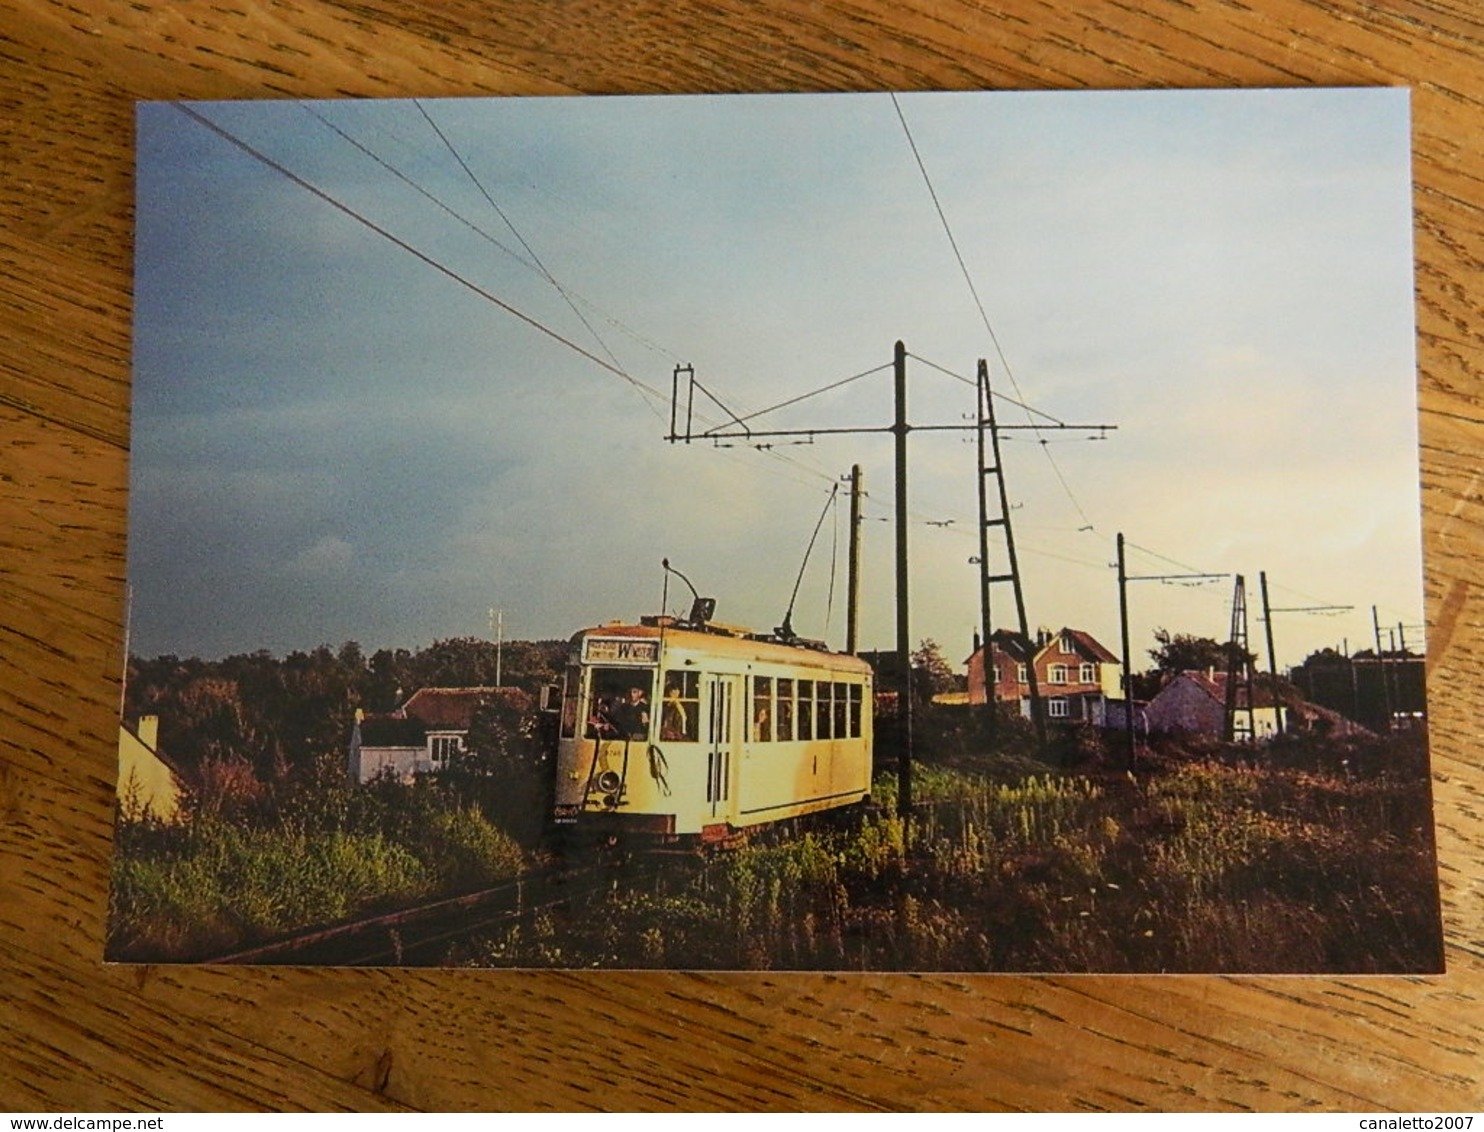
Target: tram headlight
[(609, 782)]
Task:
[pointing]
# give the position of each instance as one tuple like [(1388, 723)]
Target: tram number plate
[(608, 650)]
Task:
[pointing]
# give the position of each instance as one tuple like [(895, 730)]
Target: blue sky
[(335, 441)]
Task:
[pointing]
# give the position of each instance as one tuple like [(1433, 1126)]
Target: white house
[(422, 736)]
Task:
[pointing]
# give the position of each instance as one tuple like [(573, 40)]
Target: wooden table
[(75, 1034)]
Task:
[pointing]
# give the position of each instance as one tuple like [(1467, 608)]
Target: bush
[(464, 850)]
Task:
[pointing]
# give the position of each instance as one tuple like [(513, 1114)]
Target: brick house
[(1075, 675)]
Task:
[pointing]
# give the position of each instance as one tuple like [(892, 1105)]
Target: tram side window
[(822, 710), (680, 711), (785, 728), (569, 701), (762, 709), (619, 703), (841, 706), (855, 711), (806, 709)]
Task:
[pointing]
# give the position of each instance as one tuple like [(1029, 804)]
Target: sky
[(400, 363)]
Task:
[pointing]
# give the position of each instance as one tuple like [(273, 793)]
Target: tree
[(503, 768), (931, 672), (1182, 652)]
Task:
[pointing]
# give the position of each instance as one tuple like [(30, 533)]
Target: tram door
[(723, 694)]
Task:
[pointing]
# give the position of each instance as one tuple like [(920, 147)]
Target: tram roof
[(728, 641)]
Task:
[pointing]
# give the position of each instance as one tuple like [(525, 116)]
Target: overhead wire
[(1005, 397), (414, 186), (994, 339), (979, 304), (999, 350), (444, 206), (500, 212), (411, 250), (653, 397), (813, 393), (567, 296)]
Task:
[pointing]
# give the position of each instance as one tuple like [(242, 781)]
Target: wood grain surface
[(78, 1035)]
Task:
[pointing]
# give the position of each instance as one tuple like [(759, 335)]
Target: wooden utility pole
[(904, 641), (1267, 617), (1130, 753), (1381, 668), (1267, 621), (853, 578)]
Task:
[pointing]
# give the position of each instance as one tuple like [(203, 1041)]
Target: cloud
[(330, 557)]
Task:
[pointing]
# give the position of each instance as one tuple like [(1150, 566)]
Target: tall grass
[(219, 883), (1200, 867)]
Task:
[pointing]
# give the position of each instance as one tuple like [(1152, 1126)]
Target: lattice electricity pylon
[(1000, 521), (1239, 672)]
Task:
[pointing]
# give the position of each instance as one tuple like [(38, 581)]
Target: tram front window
[(619, 703)]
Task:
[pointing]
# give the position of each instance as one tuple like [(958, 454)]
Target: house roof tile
[(451, 709)]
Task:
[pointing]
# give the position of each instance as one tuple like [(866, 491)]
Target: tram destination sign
[(620, 650)]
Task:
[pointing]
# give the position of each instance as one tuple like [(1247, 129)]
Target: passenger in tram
[(762, 726), (674, 726), (632, 715)]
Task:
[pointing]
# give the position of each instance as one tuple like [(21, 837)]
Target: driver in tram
[(632, 715)]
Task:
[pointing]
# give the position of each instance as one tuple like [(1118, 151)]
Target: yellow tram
[(689, 729)]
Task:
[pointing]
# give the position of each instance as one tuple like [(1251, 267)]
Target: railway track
[(421, 936), (424, 935)]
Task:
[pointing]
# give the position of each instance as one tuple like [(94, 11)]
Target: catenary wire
[(983, 314), (653, 397)]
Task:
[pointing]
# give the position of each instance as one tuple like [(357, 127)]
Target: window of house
[(1066, 646), (443, 748), (1089, 674), (680, 708), (1021, 676), (1058, 674), (1056, 707)]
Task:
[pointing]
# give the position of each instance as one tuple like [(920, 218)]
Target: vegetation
[(1319, 861), (279, 715), (1181, 652), (252, 863), (1312, 853)]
